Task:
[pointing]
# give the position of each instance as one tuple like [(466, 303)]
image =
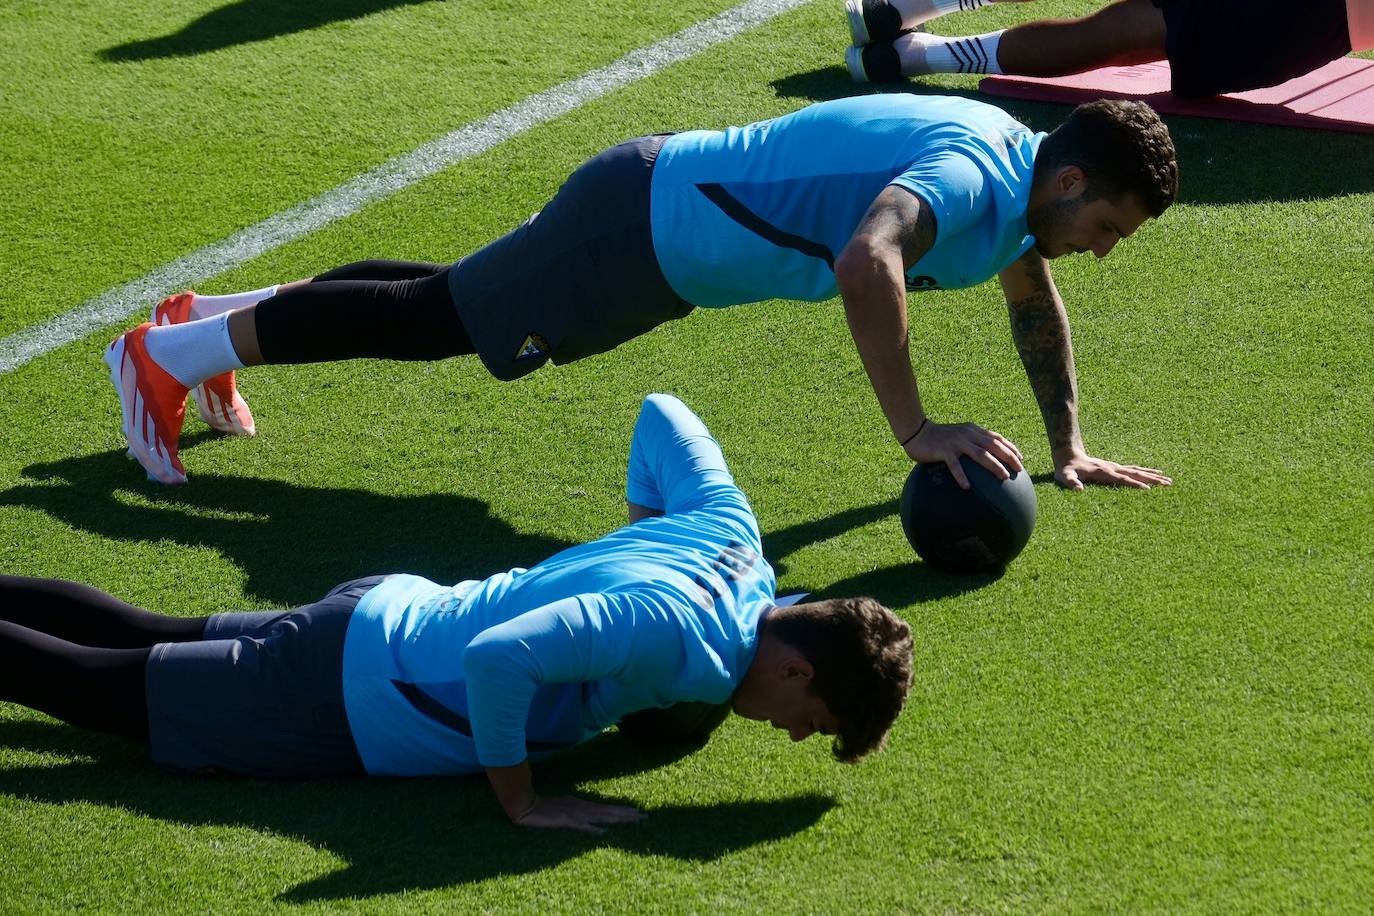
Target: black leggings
[(79, 655), (379, 309)]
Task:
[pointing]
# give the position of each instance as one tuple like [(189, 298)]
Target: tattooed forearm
[(1041, 331)]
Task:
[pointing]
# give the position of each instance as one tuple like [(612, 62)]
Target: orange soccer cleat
[(153, 404), (217, 399)]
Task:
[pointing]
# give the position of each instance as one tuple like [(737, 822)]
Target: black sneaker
[(875, 62), (872, 20)]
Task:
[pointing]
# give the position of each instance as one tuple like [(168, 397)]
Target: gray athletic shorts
[(577, 278), (260, 695)]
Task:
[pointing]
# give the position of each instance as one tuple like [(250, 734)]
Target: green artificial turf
[(1163, 705)]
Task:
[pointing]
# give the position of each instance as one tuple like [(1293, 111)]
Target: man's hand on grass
[(573, 813), (1073, 471)]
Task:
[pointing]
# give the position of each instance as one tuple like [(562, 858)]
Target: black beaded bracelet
[(915, 434)]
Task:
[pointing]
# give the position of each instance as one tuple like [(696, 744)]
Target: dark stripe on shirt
[(756, 224), (431, 708)]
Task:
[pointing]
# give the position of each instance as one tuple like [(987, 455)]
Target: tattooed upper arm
[(900, 217)]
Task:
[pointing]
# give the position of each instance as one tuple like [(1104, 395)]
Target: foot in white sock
[(210, 306), (217, 398), (202, 357), (915, 12), (921, 53)]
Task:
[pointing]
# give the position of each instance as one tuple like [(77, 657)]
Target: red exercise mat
[(1339, 96)]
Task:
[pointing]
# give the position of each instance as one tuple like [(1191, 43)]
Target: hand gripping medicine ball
[(977, 530)]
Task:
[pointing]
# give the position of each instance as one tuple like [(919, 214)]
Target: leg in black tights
[(379, 309), (381, 270), (87, 616), (99, 689), (79, 655)]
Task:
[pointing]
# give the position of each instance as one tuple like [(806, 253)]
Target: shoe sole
[(858, 29), (114, 360), (151, 464), (854, 60)]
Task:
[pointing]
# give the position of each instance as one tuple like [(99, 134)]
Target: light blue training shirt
[(450, 679), (762, 211)]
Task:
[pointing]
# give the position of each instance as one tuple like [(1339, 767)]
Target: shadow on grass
[(896, 586), (1220, 162), (248, 21), (293, 543), (404, 834)]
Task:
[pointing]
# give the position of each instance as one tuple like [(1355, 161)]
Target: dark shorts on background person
[(1221, 46), (577, 278), (260, 695)]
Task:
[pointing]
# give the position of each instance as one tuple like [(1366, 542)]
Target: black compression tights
[(379, 309), (79, 655)]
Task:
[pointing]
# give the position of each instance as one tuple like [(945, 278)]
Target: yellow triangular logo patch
[(534, 347)]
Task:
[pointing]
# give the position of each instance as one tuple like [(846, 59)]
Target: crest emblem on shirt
[(534, 347)]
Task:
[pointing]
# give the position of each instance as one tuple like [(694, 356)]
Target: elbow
[(658, 403), (867, 271), (854, 269)]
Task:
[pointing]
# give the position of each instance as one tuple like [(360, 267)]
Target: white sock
[(915, 12), (922, 53), (194, 351), (210, 306)]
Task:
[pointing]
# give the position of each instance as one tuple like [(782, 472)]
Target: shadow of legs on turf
[(412, 834), (247, 21), (292, 542), (41, 735)]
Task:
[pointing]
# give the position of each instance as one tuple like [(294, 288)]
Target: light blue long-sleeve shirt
[(451, 679)]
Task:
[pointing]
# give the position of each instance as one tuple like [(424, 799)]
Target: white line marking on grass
[(394, 175)]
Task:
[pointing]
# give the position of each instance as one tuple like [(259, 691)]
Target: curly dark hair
[(861, 653), (1122, 147)]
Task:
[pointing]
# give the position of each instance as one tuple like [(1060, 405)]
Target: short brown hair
[(1122, 147), (861, 653)]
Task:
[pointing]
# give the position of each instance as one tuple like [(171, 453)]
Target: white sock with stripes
[(210, 306), (194, 351), (921, 53), (915, 12)]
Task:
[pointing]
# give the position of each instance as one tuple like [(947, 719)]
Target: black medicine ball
[(978, 530)]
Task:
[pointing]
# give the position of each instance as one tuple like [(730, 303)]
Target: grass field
[(1164, 705)]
